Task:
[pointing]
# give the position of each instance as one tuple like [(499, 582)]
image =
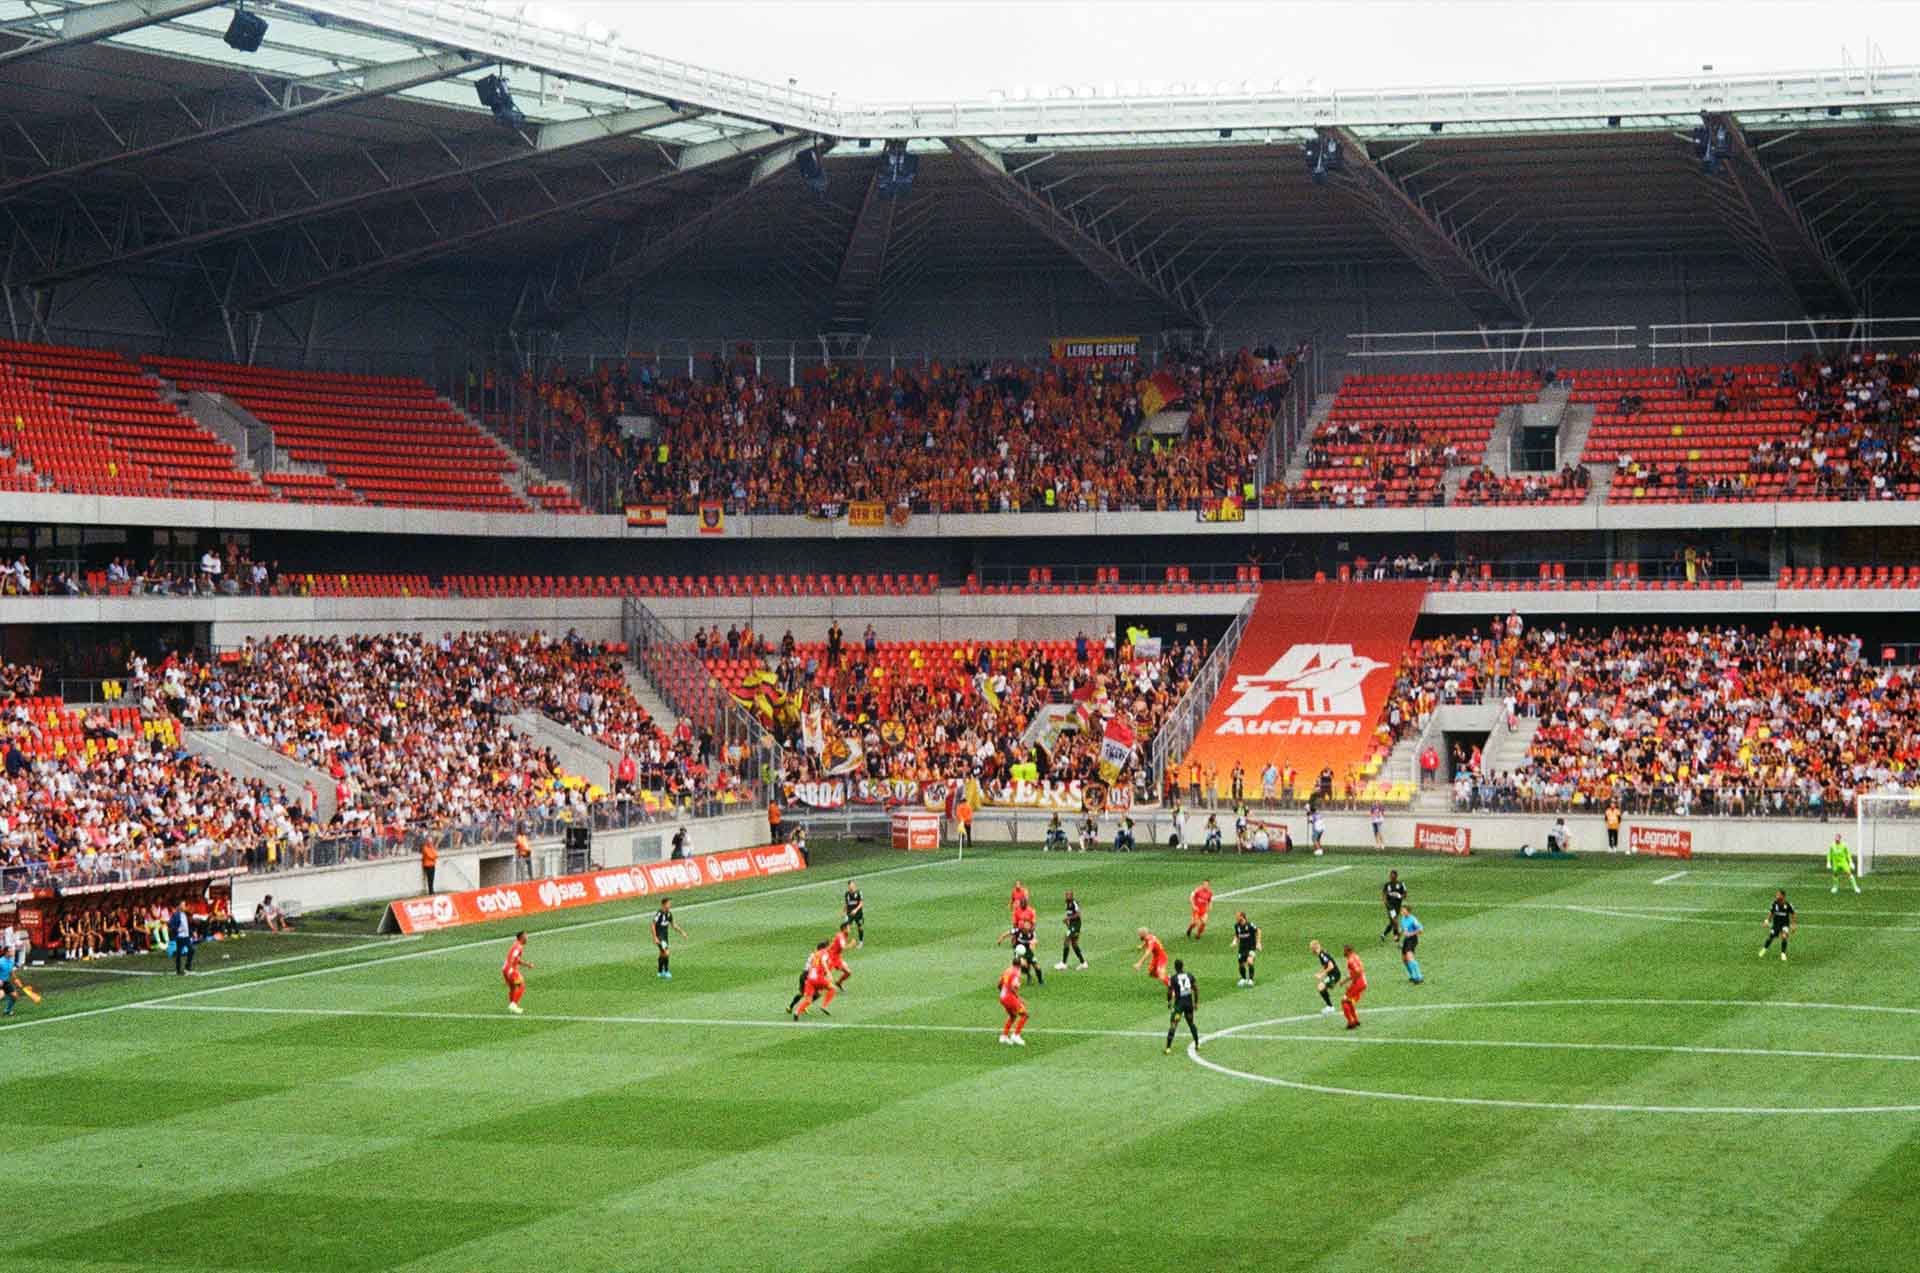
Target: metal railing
[(1182, 723), (683, 682)]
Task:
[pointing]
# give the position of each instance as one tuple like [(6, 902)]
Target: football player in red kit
[(1015, 1006), (1356, 986), (1154, 955), (836, 955), (1202, 900), (814, 980), (516, 984)]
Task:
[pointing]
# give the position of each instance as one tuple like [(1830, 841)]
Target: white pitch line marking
[(1291, 879), (1193, 1054), (1668, 879), (1682, 1049), (583, 1019), (444, 950)]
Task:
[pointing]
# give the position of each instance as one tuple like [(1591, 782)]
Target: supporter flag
[(1116, 748), (650, 515), (1228, 509), (759, 692), (813, 730), (866, 512), (987, 692), (1136, 637), (844, 756), (713, 517), (1157, 391)]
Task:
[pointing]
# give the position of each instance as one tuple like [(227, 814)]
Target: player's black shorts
[(1393, 908), (1073, 928), (858, 917), (1332, 976), (1247, 951), (1409, 944), (1182, 1008), (1780, 929), (9, 989)]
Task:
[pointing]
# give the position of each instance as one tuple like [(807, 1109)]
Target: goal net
[(1887, 824)]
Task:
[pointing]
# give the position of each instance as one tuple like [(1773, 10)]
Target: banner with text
[(1661, 842), (649, 515), (866, 512), (1310, 679), (1087, 349), (536, 897), (1434, 837)]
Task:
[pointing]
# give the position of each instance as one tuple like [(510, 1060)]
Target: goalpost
[(1887, 824)]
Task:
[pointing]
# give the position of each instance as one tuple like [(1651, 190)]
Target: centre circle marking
[(1605, 1107)]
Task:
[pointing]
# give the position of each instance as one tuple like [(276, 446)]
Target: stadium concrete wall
[(475, 867), (1491, 833)]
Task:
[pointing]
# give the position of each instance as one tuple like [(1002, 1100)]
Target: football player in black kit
[(1246, 939), (1072, 943), (663, 926), (1022, 936), (1327, 976), (1394, 894), (856, 912), (1780, 923), (1182, 997)]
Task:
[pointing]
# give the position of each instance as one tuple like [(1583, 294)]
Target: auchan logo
[(1323, 685)]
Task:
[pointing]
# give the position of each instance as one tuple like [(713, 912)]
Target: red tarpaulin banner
[(1662, 842), (1310, 679), (559, 892), (1435, 837)]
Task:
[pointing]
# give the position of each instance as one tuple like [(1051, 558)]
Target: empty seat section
[(1720, 433), (1388, 440), (389, 440)]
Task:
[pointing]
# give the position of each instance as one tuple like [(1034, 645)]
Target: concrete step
[(1506, 749), (649, 698), (1575, 424), (234, 753), (1297, 462), (579, 755)]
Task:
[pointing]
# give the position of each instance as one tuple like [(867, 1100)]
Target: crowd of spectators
[(1863, 439), (126, 804), (1686, 720), (931, 719), (983, 437), (1568, 486), (413, 733)]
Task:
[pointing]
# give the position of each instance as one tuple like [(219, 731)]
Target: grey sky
[(941, 50)]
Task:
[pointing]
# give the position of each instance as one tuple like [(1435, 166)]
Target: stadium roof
[(351, 145)]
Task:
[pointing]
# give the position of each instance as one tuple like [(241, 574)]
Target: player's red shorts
[(1200, 914), (511, 978), (837, 962), (817, 983), (1158, 969), (1355, 990), (1014, 1004)]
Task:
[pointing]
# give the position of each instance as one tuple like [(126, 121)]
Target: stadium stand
[(1388, 440), (1012, 437), (89, 422), (389, 441)]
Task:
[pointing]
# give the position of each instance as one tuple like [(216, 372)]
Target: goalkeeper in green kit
[(1840, 862)]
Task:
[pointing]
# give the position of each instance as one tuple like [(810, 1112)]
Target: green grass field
[(1581, 1084)]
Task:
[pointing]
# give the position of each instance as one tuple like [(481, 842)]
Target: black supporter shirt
[(1781, 913), (1246, 934)]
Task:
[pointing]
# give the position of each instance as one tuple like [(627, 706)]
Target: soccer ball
[(1019, 951), (1319, 853), (1526, 850)]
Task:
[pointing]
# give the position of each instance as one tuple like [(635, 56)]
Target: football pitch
[(1598, 1073)]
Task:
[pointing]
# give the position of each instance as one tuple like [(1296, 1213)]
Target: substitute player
[(813, 981), (1394, 894), (1183, 995), (1840, 862), (1015, 1006), (516, 984), (663, 927), (1202, 899), (1072, 942), (1410, 930), (1246, 939), (854, 911), (1356, 986), (1325, 977), (1154, 955), (1781, 922), (837, 956)]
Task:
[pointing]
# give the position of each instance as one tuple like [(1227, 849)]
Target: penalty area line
[(1668, 879), (1291, 879)]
